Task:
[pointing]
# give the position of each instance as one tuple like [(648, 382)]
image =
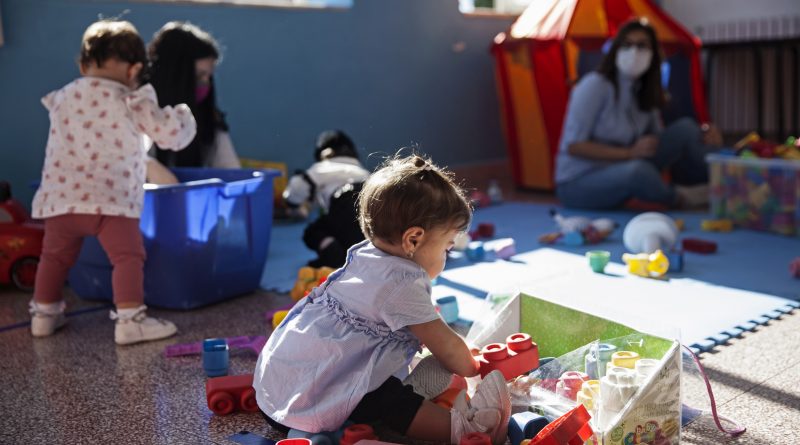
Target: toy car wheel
[(248, 400), (221, 403), (23, 273)]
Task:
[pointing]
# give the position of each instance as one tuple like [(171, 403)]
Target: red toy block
[(295, 441), (229, 393), (570, 429), (486, 230), (699, 245), (517, 356), (357, 432), (794, 267), (475, 438)]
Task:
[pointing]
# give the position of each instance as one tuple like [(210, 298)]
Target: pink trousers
[(121, 240)]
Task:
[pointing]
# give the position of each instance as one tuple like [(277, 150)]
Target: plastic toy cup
[(598, 259)]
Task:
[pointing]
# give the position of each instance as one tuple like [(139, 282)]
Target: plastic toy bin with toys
[(756, 193), (633, 384), (206, 239)]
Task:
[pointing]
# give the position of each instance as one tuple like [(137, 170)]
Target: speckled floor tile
[(78, 384), (79, 387), (769, 411)]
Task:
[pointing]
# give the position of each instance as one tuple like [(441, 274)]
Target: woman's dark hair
[(106, 39), (173, 52), (649, 89), (339, 143), (407, 192)]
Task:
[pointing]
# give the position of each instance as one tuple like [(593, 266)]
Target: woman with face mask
[(613, 147), (183, 58)]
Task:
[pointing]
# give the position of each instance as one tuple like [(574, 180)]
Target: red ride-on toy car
[(20, 242)]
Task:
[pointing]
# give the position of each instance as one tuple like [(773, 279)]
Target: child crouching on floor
[(341, 353)]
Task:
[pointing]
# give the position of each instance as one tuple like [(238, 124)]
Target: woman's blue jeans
[(680, 149)]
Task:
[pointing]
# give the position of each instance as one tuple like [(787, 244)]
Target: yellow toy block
[(716, 225), (278, 318)]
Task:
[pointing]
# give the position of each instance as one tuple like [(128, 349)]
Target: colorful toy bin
[(653, 401), (206, 239), (759, 194)]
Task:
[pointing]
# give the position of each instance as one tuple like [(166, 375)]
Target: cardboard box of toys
[(756, 193), (628, 381)]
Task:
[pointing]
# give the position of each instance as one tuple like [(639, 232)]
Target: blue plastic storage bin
[(206, 239)]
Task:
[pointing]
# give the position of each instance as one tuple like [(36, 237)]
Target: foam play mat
[(716, 296)]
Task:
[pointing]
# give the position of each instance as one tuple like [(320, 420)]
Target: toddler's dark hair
[(407, 192), (106, 39), (338, 142)]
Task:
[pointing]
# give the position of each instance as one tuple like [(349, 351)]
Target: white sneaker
[(46, 319), (492, 392), (429, 378), (138, 327), (465, 419)]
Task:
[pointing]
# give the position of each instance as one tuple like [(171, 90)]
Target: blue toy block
[(734, 332), (695, 350), (545, 360), (787, 309), (675, 258), (248, 438), (475, 251), (572, 239), (215, 357), (448, 308), (794, 304), (321, 438), (525, 425), (597, 368)]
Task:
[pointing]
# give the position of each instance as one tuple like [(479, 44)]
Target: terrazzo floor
[(78, 387)]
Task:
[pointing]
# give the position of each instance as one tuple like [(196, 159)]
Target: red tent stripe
[(552, 90), (506, 102), (617, 13)]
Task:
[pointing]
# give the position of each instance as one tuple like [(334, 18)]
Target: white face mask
[(633, 61)]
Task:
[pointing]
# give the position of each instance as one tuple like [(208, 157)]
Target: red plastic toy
[(354, 433), (699, 245), (517, 356), (475, 438), (229, 393), (20, 242), (794, 267), (570, 429)]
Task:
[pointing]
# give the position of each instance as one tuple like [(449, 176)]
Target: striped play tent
[(550, 46)]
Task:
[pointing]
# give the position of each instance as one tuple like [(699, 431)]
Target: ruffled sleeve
[(171, 128), (410, 303), (49, 101)]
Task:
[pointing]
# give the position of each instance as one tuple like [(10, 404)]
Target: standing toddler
[(93, 174)]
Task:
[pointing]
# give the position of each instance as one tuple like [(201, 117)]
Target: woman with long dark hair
[(613, 147), (183, 58)]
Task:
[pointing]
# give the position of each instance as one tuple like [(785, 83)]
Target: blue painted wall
[(386, 71)]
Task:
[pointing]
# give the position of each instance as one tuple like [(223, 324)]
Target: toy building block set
[(624, 389)]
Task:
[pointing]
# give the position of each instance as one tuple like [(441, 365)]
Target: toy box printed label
[(653, 416)]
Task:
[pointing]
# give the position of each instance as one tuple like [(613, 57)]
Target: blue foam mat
[(745, 284)]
